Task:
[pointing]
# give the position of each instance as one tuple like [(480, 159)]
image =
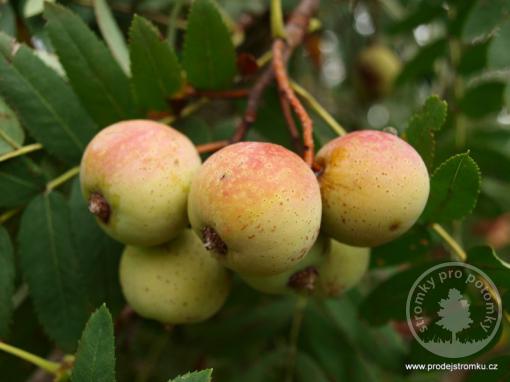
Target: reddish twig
[(211, 146), (230, 93), (295, 30), (289, 119), (283, 83)]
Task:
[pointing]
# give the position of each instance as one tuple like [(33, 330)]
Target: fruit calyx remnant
[(99, 206), (304, 280), (212, 241)]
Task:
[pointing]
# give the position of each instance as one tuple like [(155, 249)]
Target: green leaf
[(196, 376), (7, 277), (454, 189), (483, 18), (209, 56), (387, 301), (92, 71), (98, 255), (46, 105), (156, 71), (95, 359), (11, 133), (498, 56), (50, 267), (420, 132), (112, 34), (7, 19), (412, 247), (33, 7), (483, 99), (20, 181), (486, 259)]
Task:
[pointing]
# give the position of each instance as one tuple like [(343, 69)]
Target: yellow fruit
[(256, 206), (135, 175), (374, 187)]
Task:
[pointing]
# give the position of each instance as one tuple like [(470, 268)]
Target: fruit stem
[(69, 174), (21, 151), (319, 109), (297, 321), (50, 367), (277, 24), (452, 243), (282, 79)]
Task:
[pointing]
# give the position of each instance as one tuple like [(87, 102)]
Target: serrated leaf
[(156, 71), (112, 34), (454, 189), (11, 133), (483, 99), (93, 73), (196, 376), (498, 56), (420, 132), (95, 359), (209, 56), (98, 255), (7, 19), (20, 181), (46, 105), (483, 18), (486, 259), (7, 277), (50, 266)]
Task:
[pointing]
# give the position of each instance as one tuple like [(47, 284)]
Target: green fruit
[(135, 176), (329, 269), (175, 283), (376, 70)]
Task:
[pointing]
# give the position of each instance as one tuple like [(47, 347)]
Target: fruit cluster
[(256, 207)]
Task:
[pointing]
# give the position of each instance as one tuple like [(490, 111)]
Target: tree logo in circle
[(453, 310)]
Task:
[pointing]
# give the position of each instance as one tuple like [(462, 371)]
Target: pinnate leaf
[(209, 56), (112, 34), (92, 71), (454, 189), (50, 267), (95, 359), (156, 71), (45, 104), (20, 181), (11, 132), (423, 124)]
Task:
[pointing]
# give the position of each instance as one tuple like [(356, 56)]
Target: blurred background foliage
[(456, 49)]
